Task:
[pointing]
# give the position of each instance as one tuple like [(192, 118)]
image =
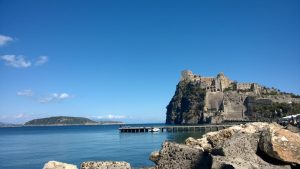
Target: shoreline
[(61, 125)]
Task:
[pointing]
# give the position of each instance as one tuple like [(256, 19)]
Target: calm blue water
[(31, 147)]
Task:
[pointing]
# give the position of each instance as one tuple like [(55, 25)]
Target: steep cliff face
[(200, 99), (186, 107)]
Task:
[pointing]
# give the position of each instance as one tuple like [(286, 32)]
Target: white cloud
[(46, 98), (54, 97), (109, 116), (21, 115), (5, 39), (16, 61), (20, 61), (41, 60), (27, 93)]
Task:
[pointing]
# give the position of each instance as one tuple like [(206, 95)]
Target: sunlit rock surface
[(58, 165)]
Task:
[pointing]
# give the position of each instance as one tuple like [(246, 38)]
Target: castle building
[(218, 83), (212, 84)]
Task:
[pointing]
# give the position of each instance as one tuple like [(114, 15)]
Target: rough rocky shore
[(247, 146), (253, 145)]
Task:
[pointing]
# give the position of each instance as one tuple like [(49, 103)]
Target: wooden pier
[(179, 128)]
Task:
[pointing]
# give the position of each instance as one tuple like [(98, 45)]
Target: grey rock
[(105, 165), (280, 144), (292, 128), (240, 152), (179, 156)]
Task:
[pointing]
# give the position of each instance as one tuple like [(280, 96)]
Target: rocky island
[(214, 100), (65, 120)]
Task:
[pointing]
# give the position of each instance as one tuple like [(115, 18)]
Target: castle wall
[(213, 101), (188, 75), (244, 86), (223, 81), (212, 84)]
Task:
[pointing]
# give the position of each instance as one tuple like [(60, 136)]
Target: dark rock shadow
[(205, 162), (269, 159)]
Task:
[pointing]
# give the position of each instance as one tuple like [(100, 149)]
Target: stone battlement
[(219, 83), (212, 84)]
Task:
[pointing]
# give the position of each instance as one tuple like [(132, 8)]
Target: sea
[(32, 147)]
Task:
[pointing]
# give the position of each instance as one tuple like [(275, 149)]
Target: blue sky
[(121, 60)]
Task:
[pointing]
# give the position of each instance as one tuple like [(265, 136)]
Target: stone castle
[(199, 99), (219, 83)]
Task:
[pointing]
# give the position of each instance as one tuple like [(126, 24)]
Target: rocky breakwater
[(252, 145), (105, 165), (89, 165)]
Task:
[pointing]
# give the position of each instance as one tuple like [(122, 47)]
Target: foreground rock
[(59, 165), (178, 156), (280, 144), (292, 128), (253, 145), (105, 165)]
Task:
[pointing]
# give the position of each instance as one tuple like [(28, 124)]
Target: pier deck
[(179, 128)]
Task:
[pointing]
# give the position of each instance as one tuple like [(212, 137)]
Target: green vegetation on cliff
[(187, 104), (275, 110)]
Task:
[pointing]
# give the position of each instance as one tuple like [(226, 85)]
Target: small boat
[(153, 129)]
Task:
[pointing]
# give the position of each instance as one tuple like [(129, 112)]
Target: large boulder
[(179, 156), (215, 140), (280, 144), (105, 165), (240, 152), (58, 165)]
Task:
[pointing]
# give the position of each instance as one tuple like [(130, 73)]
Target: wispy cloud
[(18, 118), (21, 62), (109, 116), (21, 115), (5, 39), (46, 98), (16, 61), (41, 60), (27, 93), (55, 97)]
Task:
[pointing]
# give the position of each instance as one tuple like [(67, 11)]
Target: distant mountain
[(65, 120), (110, 122), (61, 120), (9, 125)]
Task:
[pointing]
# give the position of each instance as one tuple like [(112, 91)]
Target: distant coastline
[(62, 121), (92, 124)]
